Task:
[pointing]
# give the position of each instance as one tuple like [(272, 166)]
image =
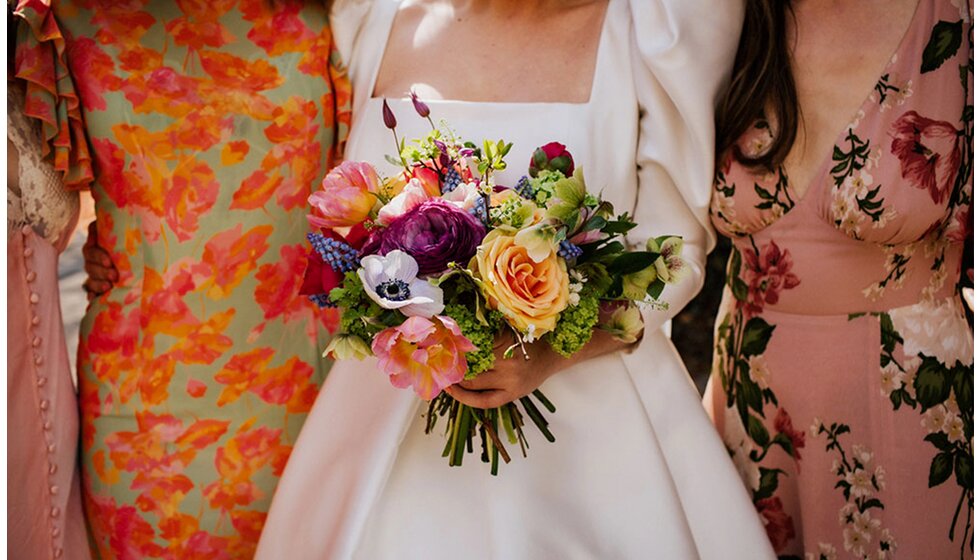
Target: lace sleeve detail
[(39, 198)]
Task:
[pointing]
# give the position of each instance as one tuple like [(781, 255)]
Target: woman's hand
[(101, 272), (513, 378)]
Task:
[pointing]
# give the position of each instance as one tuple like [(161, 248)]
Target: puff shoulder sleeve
[(347, 19), (682, 52)]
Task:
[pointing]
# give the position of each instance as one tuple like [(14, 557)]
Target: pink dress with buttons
[(843, 366), (44, 509), (44, 514)]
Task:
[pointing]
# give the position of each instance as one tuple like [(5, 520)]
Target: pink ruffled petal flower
[(411, 196), (347, 196), (426, 354)]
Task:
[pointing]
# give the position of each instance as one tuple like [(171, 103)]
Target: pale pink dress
[(44, 509), (843, 374)]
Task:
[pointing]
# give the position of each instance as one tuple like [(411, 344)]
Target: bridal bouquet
[(432, 264)]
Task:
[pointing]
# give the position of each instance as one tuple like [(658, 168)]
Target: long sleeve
[(681, 55)]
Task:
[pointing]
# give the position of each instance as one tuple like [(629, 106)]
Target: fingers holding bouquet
[(513, 376)]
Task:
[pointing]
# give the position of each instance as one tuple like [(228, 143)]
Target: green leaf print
[(963, 467), (768, 482), (963, 386), (895, 396), (939, 440), (756, 337), (942, 467), (889, 336), (758, 432), (944, 42), (782, 440), (752, 392), (932, 383), (740, 290)]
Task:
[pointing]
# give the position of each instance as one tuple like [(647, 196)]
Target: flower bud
[(420, 107), (552, 156), (389, 117)]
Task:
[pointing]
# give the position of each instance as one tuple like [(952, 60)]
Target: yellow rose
[(530, 294)]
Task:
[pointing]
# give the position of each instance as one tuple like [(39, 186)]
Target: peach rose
[(530, 294)]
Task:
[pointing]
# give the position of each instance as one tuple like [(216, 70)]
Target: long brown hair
[(762, 86)]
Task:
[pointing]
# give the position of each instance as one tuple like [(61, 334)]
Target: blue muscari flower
[(339, 255), (452, 180), (568, 250), (524, 188), (322, 300), (480, 210)]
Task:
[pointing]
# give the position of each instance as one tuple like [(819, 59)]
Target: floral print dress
[(209, 124), (842, 380)]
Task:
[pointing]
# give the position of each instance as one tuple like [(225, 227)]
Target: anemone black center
[(393, 290)]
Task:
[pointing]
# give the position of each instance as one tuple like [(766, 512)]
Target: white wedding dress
[(637, 470)]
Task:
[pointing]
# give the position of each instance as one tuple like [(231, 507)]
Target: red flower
[(779, 525), (784, 425), (768, 274), (553, 156), (929, 152)]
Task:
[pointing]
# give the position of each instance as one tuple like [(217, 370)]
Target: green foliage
[(422, 149), (361, 315), (491, 157), (575, 324), (514, 212), (543, 186), (480, 335)]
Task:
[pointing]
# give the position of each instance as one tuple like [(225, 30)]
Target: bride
[(637, 470)]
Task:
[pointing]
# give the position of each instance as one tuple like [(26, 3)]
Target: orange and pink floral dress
[(842, 381), (210, 122)]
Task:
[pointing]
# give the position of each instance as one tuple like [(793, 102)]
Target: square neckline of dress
[(600, 49), (813, 184)]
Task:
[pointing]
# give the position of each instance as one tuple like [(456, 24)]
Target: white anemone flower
[(392, 282)]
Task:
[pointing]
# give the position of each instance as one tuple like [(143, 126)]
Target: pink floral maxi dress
[(842, 381)]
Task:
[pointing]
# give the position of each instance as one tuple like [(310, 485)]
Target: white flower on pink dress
[(891, 379), (935, 329), (934, 419), (860, 481), (737, 441), (855, 541), (759, 371)]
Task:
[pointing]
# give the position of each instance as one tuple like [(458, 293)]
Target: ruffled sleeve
[(682, 53), (51, 96)]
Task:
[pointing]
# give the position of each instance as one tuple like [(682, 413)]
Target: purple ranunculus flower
[(435, 233)]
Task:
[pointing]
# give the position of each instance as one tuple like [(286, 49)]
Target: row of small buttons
[(44, 404)]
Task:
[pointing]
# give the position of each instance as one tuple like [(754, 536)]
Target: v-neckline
[(828, 162)]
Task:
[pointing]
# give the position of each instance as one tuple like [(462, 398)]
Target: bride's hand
[(513, 378), (510, 378)]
